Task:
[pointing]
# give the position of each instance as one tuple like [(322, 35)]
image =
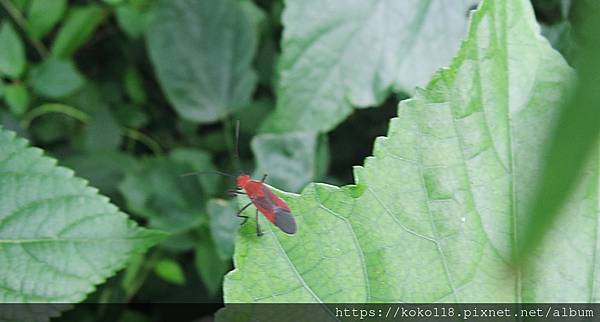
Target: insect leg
[(263, 178), (258, 232), (235, 192), (242, 216)]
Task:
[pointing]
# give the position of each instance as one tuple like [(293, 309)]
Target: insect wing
[(274, 199), (285, 221), (283, 215), (265, 206), (276, 211)]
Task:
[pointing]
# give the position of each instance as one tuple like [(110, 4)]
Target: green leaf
[(353, 53), (17, 98), (251, 118), (573, 139), (102, 132), (58, 237), (2, 86), (202, 53), (55, 78), (132, 19), (104, 169), (20, 4), (223, 225), (80, 24), (113, 2), (12, 52), (436, 211), (134, 86), (170, 271), (210, 266), (288, 158), (157, 191), (43, 15)]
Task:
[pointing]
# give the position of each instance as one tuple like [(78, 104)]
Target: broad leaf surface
[(353, 53), (436, 210), (202, 53), (58, 237)]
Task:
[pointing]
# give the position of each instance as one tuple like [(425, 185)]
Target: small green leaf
[(252, 117), (55, 78), (12, 52), (2, 87), (131, 116), (132, 19), (134, 86), (43, 15), (170, 271), (209, 264), (17, 98), (288, 159), (113, 2), (20, 4), (202, 52), (80, 24), (354, 52), (58, 237), (224, 225)]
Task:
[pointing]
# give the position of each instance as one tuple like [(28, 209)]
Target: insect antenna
[(237, 140), (207, 172)]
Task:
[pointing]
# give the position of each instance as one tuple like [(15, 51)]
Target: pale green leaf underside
[(435, 211), (353, 53), (202, 52), (58, 237)]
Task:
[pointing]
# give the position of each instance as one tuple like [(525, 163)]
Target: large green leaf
[(353, 53), (58, 237), (435, 212), (202, 53), (575, 134)]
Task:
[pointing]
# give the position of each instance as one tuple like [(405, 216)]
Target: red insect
[(267, 203)]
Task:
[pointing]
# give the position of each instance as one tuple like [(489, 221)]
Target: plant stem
[(20, 20), (53, 108), (142, 138), (74, 113)]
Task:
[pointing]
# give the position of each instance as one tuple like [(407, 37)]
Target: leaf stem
[(142, 138), (22, 22), (70, 111), (54, 108)]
